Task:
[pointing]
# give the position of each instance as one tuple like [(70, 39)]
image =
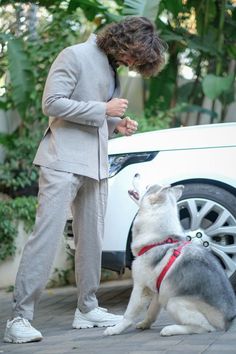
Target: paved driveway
[(54, 317)]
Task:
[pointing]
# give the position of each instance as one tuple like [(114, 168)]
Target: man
[(81, 99)]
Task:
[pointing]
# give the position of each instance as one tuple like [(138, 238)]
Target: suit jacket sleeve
[(112, 123), (60, 84)]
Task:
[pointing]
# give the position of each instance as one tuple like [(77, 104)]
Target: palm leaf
[(90, 7), (21, 79), (146, 8)]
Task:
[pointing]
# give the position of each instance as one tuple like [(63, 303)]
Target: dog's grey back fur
[(199, 273)]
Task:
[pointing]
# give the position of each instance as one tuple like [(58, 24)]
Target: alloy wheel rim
[(209, 223)]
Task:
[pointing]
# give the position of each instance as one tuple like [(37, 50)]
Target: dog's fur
[(195, 291)]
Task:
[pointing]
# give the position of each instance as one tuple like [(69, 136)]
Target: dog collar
[(148, 247)]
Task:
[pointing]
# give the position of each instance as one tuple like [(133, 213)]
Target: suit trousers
[(59, 192)]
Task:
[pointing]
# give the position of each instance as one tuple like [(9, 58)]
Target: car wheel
[(208, 216)]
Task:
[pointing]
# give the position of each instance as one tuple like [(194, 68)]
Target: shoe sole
[(8, 339), (84, 324)]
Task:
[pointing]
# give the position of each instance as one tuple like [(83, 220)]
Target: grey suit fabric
[(73, 174), (75, 93)]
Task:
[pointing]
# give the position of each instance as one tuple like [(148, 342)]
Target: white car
[(203, 159)]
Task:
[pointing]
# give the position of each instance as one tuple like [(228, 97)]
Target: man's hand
[(127, 126), (116, 107)]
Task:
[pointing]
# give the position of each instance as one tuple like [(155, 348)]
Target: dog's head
[(154, 194), (158, 214)]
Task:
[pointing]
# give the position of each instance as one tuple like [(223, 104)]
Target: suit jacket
[(75, 96)]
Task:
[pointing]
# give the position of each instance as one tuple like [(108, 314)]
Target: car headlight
[(120, 161)]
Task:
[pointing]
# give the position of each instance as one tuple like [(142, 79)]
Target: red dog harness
[(175, 254)]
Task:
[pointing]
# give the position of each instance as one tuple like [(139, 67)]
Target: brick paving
[(54, 317)]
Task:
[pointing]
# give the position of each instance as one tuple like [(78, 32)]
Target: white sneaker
[(19, 330), (98, 317)]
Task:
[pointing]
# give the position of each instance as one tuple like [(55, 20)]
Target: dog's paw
[(167, 331), (110, 331), (143, 325)]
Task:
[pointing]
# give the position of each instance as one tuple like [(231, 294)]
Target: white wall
[(9, 267), (8, 123)]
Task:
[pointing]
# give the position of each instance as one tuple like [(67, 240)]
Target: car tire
[(208, 216)]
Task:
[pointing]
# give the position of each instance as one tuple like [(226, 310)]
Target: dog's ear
[(159, 196), (156, 198), (177, 190)]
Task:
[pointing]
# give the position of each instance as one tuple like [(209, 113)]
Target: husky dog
[(168, 272)]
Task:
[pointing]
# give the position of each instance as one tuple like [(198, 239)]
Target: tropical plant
[(201, 36), (27, 48), (203, 33), (12, 211), (147, 9)]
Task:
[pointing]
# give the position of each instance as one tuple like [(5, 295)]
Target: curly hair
[(137, 37)]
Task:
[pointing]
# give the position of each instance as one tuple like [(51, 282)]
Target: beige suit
[(73, 174), (75, 93)]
